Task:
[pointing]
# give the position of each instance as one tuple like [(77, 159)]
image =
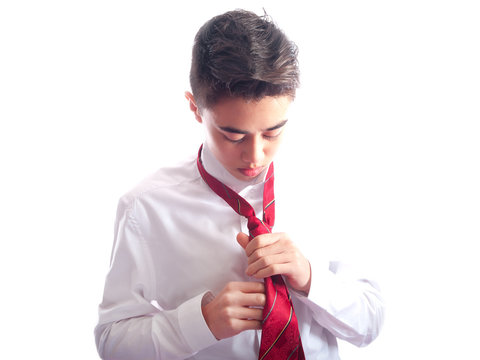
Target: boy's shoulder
[(174, 178)]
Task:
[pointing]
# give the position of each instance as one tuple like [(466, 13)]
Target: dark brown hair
[(241, 54)]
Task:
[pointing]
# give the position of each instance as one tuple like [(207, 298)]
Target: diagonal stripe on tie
[(279, 335), (271, 308)]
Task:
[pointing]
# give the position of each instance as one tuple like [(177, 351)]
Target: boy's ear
[(193, 106)]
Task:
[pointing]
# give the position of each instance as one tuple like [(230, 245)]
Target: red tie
[(280, 335)]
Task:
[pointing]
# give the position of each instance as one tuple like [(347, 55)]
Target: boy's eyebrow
[(238, 131)]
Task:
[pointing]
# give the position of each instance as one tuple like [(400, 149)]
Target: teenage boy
[(197, 270)]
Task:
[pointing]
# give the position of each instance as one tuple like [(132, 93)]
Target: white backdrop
[(91, 101)]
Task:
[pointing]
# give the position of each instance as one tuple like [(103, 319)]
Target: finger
[(243, 239), (275, 269), (245, 287), (276, 248), (242, 325), (246, 313), (266, 261), (253, 314), (261, 241), (251, 299)]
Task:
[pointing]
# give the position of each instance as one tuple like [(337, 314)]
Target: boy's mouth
[(251, 172)]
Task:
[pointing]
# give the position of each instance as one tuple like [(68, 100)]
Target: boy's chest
[(195, 250)]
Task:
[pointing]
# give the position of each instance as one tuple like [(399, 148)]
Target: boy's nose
[(254, 152)]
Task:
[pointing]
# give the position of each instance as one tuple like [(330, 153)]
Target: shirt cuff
[(192, 324)]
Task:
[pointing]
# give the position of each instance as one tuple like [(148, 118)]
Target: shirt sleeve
[(344, 302), (131, 323)]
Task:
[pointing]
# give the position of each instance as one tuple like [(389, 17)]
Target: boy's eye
[(234, 138), (238, 138), (272, 134)]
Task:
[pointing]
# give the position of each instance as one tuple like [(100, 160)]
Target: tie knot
[(257, 226)]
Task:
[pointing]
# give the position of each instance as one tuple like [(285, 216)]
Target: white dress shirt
[(175, 242)]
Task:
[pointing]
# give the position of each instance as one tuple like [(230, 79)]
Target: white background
[(91, 101)]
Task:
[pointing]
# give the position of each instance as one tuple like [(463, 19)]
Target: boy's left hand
[(275, 254)]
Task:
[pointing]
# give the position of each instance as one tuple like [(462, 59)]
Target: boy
[(179, 285)]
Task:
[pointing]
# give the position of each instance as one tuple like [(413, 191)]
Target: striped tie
[(280, 335)]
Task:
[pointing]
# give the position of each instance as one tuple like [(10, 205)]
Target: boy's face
[(244, 136)]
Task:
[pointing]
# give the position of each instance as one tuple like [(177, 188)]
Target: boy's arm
[(346, 304), (159, 334), (131, 325)]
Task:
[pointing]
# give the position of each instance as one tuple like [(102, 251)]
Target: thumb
[(243, 239)]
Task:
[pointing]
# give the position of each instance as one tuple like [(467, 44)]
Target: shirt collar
[(216, 169)]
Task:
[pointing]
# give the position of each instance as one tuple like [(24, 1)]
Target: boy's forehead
[(244, 114)]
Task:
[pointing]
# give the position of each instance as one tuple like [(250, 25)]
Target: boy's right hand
[(238, 307)]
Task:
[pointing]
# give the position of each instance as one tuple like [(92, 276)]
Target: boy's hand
[(238, 307), (275, 254)]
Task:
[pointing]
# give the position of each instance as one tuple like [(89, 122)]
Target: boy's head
[(244, 76), (241, 54)]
